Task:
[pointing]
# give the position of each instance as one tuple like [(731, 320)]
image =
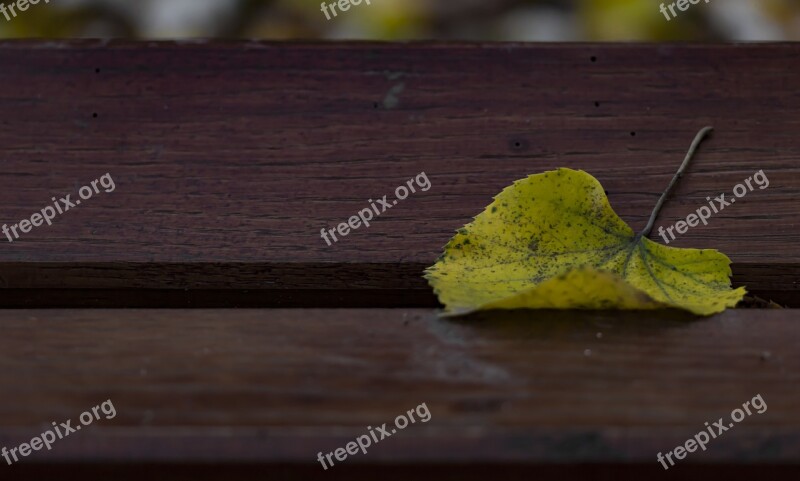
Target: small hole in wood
[(594, 59), (94, 115), (597, 104), (633, 134), (97, 70), (518, 144)]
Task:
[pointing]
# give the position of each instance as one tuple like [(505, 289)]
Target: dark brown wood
[(228, 159), (535, 392)]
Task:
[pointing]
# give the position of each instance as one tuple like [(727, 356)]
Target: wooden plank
[(228, 159), (555, 472), (536, 392)]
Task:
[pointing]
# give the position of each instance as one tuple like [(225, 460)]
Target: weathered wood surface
[(228, 159), (270, 389)]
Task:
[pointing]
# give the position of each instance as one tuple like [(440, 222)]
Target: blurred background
[(517, 20)]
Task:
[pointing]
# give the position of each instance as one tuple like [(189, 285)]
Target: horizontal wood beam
[(228, 158), (527, 390)]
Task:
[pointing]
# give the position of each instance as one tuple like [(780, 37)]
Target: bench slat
[(274, 387), (228, 159)]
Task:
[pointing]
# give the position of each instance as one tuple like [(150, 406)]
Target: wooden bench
[(228, 159)]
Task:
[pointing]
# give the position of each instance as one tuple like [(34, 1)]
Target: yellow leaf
[(552, 240)]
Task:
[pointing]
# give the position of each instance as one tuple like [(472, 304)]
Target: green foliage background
[(523, 20)]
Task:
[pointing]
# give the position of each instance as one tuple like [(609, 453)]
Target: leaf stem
[(696, 143)]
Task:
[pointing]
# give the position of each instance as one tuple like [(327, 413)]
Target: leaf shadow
[(547, 323)]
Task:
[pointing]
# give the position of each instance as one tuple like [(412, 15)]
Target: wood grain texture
[(228, 159), (272, 388)]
